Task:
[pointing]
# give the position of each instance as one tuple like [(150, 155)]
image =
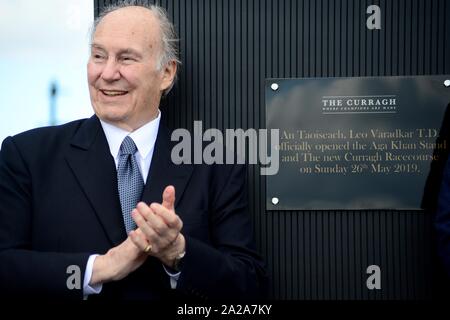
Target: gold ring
[(148, 248)]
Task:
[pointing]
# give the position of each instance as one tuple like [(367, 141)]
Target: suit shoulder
[(46, 133), (44, 138), (59, 130)]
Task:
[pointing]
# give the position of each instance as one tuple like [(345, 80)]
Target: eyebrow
[(97, 47), (129, 51), (121, 51)]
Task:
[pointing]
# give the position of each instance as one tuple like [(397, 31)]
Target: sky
[(43, 42)]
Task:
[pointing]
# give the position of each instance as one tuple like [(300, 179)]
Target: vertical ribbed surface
[(229, 47)]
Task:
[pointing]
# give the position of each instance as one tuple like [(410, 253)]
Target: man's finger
[(169, 198), (138, 239), (154, 221), (149, 233), (168, 216)]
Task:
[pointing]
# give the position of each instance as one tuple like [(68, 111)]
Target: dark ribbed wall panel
[(229, 47)]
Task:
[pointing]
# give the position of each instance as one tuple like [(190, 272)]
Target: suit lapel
[(92, 164), (164, 172)]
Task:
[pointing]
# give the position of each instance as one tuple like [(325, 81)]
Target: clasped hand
[(158, 229)]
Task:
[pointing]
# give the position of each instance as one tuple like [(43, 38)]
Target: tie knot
[(128, 146)]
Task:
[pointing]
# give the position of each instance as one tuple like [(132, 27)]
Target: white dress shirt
[(144, 138)]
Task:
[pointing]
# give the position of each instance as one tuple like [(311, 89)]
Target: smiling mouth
[(113, 93)]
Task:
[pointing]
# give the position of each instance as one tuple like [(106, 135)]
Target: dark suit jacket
[(59, 203), (442, 219)]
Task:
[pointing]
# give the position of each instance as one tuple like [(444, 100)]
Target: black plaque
[(355, 143)]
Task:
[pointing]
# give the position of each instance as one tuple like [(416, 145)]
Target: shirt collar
[(144, 137)]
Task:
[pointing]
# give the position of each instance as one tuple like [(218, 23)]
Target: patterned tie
[(130, 181)]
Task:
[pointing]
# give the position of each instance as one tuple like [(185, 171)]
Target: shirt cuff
[(87, 289), (173, 277)]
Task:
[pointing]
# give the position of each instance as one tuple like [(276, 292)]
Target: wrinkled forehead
[(130, 26)]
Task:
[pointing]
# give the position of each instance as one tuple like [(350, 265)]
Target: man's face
[(125, 84)]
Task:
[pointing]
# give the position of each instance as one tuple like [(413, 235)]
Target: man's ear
[(169, 72)]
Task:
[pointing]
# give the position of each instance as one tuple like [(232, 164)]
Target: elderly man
[(102, 196)]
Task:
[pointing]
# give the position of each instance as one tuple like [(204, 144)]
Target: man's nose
[(111, 71)]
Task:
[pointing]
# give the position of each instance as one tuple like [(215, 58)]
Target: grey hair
[(169, 36)]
